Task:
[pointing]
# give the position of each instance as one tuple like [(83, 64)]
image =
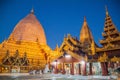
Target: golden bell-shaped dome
[(29, 29)]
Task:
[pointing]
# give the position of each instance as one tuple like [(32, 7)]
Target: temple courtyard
[(48, 76)]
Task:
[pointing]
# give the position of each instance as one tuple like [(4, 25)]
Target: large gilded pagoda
[(26, 48)]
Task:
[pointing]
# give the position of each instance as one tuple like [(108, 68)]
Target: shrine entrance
[(95, 68), (15, 69), (77, 68), (67, 68)]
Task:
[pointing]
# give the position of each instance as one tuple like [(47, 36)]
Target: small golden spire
[(32, 10), (106, 10), (68, 35), (57, 46), (84, 18), (64, 35)]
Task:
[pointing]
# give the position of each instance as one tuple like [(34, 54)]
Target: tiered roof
[(111, 36)]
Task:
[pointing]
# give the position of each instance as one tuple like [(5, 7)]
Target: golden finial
[(32, 10), (64, 35), (84, 19), (57, 46), (68, 35), (106, 10)]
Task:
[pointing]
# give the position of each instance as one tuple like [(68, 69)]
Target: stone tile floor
[(26, 76)]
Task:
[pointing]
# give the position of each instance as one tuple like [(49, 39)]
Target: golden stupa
[(85, 33), (26, 47)]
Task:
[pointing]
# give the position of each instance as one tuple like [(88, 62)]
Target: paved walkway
[(26, 76)]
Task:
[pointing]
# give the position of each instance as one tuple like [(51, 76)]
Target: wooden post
[(79, 69), (84, 69), (63, 70), (56, 70), (104, 68), (72, 69), (90, 68)]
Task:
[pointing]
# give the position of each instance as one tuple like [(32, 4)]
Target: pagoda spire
[(57, 47), (86, 37), (32, 10), (110, 32), (84, 18), (106, 11), (85, 33)]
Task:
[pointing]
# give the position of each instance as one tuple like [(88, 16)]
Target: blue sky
[(59, 17)]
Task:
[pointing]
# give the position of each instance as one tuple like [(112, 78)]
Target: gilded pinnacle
[(84, 19), (32, 10), (106, 10)]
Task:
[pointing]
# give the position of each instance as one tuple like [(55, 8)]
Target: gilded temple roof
[(85, 33), (29, 29)]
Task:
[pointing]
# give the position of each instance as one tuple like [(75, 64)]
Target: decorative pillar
[(63, 70), (72, 69), (63, 66), (56, 70), (90, 68), (79, 69), (84, 69), (104, 68), (112, 65)]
